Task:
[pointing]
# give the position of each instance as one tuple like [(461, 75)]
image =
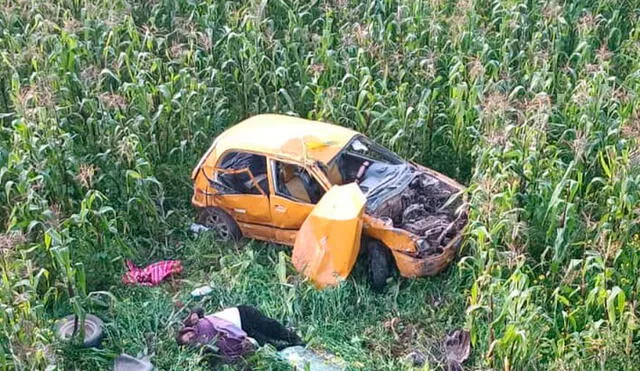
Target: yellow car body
[(269, 171)]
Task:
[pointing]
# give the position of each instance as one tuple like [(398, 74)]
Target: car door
[(295, 192), (328, 243), (242, 187)]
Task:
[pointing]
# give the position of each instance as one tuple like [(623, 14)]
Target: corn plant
[(106, 106)]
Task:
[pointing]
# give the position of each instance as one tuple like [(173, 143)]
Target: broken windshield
[(362, 161), (365, 148)]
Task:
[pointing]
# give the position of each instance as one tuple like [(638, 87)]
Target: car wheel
[(221, 222), (92, 330), (379, 265)]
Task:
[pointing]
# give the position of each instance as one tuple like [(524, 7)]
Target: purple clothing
[(231, 340)]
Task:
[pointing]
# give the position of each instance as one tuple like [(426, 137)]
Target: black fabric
[(238, 160), (266, 330), (311, 186)]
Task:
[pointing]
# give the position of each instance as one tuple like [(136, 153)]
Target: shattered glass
[(244, 173)]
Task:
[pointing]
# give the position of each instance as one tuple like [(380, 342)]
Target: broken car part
[(201, 291), (70, 325), (125, 362), (328, 242), (301, 358), (198, 228), (457, 346)]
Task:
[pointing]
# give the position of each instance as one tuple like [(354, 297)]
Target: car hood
[(385, 181)]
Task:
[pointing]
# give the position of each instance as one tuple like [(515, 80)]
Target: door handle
[(280, 208)]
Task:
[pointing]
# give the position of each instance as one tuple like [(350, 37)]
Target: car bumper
[(412, 266)]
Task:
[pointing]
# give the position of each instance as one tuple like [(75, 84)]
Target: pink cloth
[(152, 274)]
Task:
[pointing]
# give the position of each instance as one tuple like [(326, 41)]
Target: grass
[(366, 330), (106, 106)]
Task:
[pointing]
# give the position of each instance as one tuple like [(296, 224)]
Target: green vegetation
[(106, 106)]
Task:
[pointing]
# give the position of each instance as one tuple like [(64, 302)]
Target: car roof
[(283, 136)]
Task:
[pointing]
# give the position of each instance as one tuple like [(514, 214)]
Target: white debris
[(198, 228), (201, 291), (306, 359)]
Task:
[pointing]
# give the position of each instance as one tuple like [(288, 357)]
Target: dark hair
[(199, 311), (189, 322), (181, 332)]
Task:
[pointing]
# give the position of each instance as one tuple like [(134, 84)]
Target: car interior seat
[(334, 175), (294, 185)]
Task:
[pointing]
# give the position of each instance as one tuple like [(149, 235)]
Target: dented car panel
[(245, 208), (410, 266), (328, 242), (260, 232), (408, 240), (440, 176), (289, 214), (394, 238)]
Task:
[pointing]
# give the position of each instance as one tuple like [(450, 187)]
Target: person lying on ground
[(230, 331)]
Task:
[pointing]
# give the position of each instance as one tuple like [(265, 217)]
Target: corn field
[(106, 107)]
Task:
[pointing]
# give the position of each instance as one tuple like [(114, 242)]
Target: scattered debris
[(391, 325), (69, 326), (152, 274), (178, 304), (125, 362), (306, 359), (407, 337), (198, 228), (457, 345), (201, 291), (416, 358)]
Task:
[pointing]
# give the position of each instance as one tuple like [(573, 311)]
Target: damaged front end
[(419, 214)]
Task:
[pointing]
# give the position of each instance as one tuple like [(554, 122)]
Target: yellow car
[(267, 177)]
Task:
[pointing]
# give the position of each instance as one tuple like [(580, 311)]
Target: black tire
[(379, 265), (93, 332), (222, 223)]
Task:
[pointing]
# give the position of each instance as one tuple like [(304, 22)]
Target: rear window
[(244, 173)]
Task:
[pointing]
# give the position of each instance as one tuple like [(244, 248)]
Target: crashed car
[(319, 187)]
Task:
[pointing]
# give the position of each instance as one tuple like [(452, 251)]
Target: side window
[(294, 182), (243, 173)]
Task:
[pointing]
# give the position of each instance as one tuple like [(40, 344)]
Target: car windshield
[(365, 148), (361, 155)]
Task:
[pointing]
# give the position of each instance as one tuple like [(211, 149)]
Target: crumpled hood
[(385, 181)]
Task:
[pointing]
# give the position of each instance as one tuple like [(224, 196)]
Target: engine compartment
[(428, 208)]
